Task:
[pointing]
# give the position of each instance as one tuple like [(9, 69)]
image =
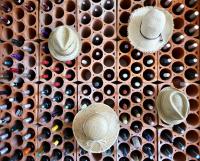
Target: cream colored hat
[(150, 28), (64, 43), (172, 106), (96, 127)]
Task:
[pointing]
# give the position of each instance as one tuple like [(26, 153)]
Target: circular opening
[(108, 47), (167, 152), (86, 90), (124, 118), (70, 6), (45, 32), (97, 11), (85, 5), (192, 150), (70, 19), (97, 39), (136, 82), (136, 154), (136, 7), (166, 135), (179, 156), (178, 38), (123, 159), (58, 1), (96, 1), (47, 19), (97, 68), (192, 119), (149, 2), (29, 47), (86, 47), (124, 134), (109, 31), (97, 156), (178, 23), (108, 17), (124, 148), (59, 12), (109, 74), (59, 23), (179, 143), (124, 17), (84, 158), (177, 53), (136, 111), (32, 61), (191, 59), (194, 104), (192, 90), (191, 45), (97, 96), (178, 9), (31, 33), (149, 119), (125, 47), (97, 25), (191, 74), (8, 62), (178, 82), (109, 102), (86, 32), (20, 27), (109, 61), (136, 54), (85, 19), (86, 74), (124, 74), (148, 134), (19, 13), (124, 60), (97, 54), (125, 4), (149, 74), (165, 74), (17, 140), (7, 48), (59, 68), (68, 133), (191, 29), (124, 104), (136, 126), (178, 67), (123, 31), (108, 4), (165, 4), (31, 20), (192, 136), (109, 90), (7, 9), (7, 33), (124, 90), (85, 61), (19, 55)]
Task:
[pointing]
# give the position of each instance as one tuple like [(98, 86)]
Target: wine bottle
[(85, 5), (57, 155), (148, 135), (177, 68), (57, 140), (165, 135), (45, 32), (18, 126), (69, 90), (70, 75), (44, 148), (8, 63), (191, 74), (179, 144), (148, 92), (28, 119), (6, 20), (27, 106), (136, 83), (18, 155), (16, 42), (136, 54), (28, 92), (193, 152), (6, 8), (45, 118), (167, 152), (108, 4), (97, 82), (125, 47), (178, 129), (166, 3), (27, 49), (166, 47), (124, 134), (190, 30), (57, 111), (124, 90), (5, 92), (191, 3), (148, 61), (190, 46), (18, 2), (136, 68), (57, 97), (46, 104), (179, 9), (30, 134), (109, 74), (191, 60), (165, 75), (45, 134), (56, 127), (84, 62), (17, 83), (136, 142), (69, 104), (7, 75), (4, 150), (136, 127), (97, 11), (148, 119), (191, 15), (97, 40), (29, 148), (136, 98), (19, 111), (124, 104), (5, 135), (86, 90), (5, 120), (97, 54), (165, 60), (136, 111), (123, 147), (178, 38), (17, 56), (46, 76), (124, 118), (85, 19), (29, 7), (46, 7), (148, 74), (148, 150), (46, 90), (148, 104)]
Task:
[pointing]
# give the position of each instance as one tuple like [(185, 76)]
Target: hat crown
[(153, 23), (95, 127)]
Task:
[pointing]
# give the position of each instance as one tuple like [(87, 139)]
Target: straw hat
[(172, 106), (150, 28), (64, 43), (96, 127)]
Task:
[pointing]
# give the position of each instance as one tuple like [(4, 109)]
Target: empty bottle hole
[(86, 47), (136, 154), (59, 12), (70, 6), (194, 104), (178, 82), (124, 134), (85, 61), (125, 4), (124, 60), (31, 33), (7, 33), (84, 158), (165, 3), (85, 19), (70, 19), (97, 25), (8, 49), (17, 140), (97, 156), (86, 74), (109, 61), (108, 17), (192, 90), (68, 147), (108, 47), (124, 17), (168, 148), (47, 19), (123, 31), (124, 118), (86, 32), (192, 136), (192, 119), (109, 102), (109, 31), (85, 5), (20, 27), (177, 53), (19, 13), (59, 23), (31, 20), (178, 23), (149, 3), (136, 6), (108, 4), (97, 11), (179, 156), (97, 68)]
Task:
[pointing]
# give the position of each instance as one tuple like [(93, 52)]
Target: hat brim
[(159, 109), (112, 135), (138, 41), (60, 56)]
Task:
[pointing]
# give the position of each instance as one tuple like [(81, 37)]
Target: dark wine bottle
[(8, 63), (45, 118), (69, 103), (57, 97), (6, 119), (85, 19), (148, 150), (5, 7), (30, 134), (46, 104), (97, 82), (97, 11), (44, 148), (46, 90), (6, 20), (17, 155), (5, 149), (191, 15), (18, 2), (5, 135), (191, 60), (18, 126), (193, 152), (45, 134), (16, 42), (57, 155), (178, 9), (167, 136), (124, 148), (166, 3), (57, 111), (30, 147), (97, 40), (85, 5), (57, 140), (165, 60), (191, 74), (178, 129), (69, 90)]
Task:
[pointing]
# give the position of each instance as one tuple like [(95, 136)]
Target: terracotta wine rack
[(108, 70)]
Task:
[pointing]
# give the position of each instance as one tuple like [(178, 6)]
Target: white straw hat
[(172, 106), (150, 28), (64, 43), (96, 127)]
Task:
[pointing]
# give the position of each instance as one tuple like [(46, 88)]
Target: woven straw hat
[(64, 43), (150, 28), (96, 127), (172, 106)]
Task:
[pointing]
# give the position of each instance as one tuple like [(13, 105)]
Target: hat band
[(160, 35)]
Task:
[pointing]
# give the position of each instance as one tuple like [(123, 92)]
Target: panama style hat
[(172, 106), (150, 28), (96, 127), (64, 43)]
